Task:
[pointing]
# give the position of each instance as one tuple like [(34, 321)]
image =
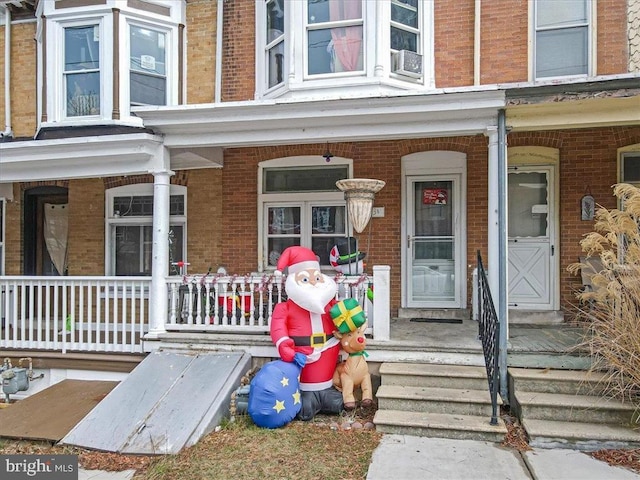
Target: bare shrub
[(610, 311)]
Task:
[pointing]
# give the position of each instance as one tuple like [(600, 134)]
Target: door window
[(528, 204)]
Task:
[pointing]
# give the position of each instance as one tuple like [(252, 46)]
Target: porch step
[(579, 435), (561, 408), (444, 401), (430, 375), (434, 399), (556, 381), (440, 425)]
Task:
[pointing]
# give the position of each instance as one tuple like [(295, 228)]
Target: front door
[(41, 247), (434, 242), (531, 238)]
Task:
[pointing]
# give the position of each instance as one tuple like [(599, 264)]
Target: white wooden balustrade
[(102, 314), (111, 314)]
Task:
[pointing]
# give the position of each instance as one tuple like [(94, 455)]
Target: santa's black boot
[(331, 400), (310, 406)]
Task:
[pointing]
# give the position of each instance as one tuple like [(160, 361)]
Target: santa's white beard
[(309, 296)]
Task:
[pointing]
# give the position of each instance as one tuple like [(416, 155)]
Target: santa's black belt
[(315, 340)]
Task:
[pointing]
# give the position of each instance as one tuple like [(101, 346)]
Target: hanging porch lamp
[(359, 194)]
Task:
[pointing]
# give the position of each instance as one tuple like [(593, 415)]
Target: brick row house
[(212, 132)]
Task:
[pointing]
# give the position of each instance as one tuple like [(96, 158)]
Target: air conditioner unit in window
[(406, 62)]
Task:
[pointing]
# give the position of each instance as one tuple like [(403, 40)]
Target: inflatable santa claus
[(303, 324)]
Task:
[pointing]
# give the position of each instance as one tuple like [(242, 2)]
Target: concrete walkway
[(405, 457)]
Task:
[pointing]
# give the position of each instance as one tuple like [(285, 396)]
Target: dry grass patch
[(300, 450)]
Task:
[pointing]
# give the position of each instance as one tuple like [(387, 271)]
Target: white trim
[(81, 157), (436, 165)]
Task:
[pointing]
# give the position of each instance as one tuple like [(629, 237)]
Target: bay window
[(129, 229), (300, 205), (321, 45), (100, 60)]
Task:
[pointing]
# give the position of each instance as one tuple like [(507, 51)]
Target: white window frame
[(56, 95), (306, 200), (112, 219), (377, 53), (171, 61), (591, 42)]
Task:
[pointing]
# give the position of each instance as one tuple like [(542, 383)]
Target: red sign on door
[(434, 196)]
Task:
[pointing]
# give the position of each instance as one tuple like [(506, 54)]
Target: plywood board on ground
[(51, 413)]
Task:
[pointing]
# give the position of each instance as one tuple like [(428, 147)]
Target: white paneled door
[(531, 220)]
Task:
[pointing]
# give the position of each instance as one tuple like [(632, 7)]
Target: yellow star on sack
[(279, 405), (296, 397), (284, 381)]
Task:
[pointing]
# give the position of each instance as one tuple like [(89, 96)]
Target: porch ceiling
[(582, 113), (278, 122)]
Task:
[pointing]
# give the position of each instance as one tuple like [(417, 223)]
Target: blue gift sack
[(274, 394)]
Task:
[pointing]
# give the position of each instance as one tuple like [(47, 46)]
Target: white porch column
[(492, 263), (159, 294), (381, 302)]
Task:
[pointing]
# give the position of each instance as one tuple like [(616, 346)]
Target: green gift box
[(347, 315)]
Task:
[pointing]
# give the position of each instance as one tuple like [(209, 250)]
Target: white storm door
[(433, 242), (531, 238)]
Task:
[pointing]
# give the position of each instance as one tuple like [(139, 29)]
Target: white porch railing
[(111, 314), (244, 304), (103, 314)]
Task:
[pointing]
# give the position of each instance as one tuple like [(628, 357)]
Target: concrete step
[(556, 381), (431, 375), (440, 425), (435, 400), (576, 408), (579, 436)]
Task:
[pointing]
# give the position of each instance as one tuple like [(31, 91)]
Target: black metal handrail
[(489, 333)]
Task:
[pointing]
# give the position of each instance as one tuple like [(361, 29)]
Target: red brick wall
[(379, 160), (613, 45), (453, 47), (238, 77), (504, 37)]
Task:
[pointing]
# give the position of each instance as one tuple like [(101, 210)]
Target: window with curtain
[(562, 38), (334, 36), (130, 229)]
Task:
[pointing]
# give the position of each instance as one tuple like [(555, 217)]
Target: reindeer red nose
[(360, 339)]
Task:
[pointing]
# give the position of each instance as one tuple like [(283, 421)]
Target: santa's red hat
[(297, 259)]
